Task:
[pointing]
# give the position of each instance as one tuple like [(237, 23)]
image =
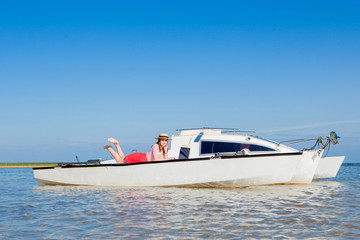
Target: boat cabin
[(206, 142)]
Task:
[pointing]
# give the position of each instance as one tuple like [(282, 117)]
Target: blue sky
[(73, 73)]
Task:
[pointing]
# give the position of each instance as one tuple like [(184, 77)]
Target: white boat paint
[(107, 162), (328, 167), (306, 167), (193, 138), (238, 171)]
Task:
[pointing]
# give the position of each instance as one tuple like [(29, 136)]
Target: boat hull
[(236, 171), (328, 167), (307, 166)]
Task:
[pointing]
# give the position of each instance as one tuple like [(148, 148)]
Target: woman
[(158, 151)]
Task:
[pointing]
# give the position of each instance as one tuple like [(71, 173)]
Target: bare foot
[(113, 140), (107, 146)]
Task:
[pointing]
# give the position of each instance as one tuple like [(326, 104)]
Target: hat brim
[(163, 138)]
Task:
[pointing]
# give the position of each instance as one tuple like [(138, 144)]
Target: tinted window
[(221, 147), (254, 147)]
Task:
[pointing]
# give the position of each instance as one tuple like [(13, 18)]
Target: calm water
[(322, 210)]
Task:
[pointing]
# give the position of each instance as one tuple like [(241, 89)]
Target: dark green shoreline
[(26, 165)]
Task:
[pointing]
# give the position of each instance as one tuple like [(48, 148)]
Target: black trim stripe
[(176, 160)]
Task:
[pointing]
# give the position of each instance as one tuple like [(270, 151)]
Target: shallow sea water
[(328, 209)]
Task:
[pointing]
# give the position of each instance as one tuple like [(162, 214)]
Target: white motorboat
[(204, 157), (222, 171)]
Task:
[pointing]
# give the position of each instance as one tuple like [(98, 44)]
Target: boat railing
[(296, 141), (223, 130), (237, 131), (207, 128)]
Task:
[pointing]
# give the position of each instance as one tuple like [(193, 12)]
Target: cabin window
[(222, 147)]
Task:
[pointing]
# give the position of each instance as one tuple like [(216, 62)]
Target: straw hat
[(163, 136)]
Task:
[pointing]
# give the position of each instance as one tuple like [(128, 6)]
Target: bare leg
[(118, 149), (116, 156)]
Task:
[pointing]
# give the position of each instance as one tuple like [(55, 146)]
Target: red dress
[(136, 158)]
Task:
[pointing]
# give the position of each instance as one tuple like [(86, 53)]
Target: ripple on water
[(323, 209)]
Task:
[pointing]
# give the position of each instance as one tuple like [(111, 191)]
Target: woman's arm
[(158, 155)]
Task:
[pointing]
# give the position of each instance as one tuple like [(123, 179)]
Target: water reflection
[(280, 210), (323, 209)]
